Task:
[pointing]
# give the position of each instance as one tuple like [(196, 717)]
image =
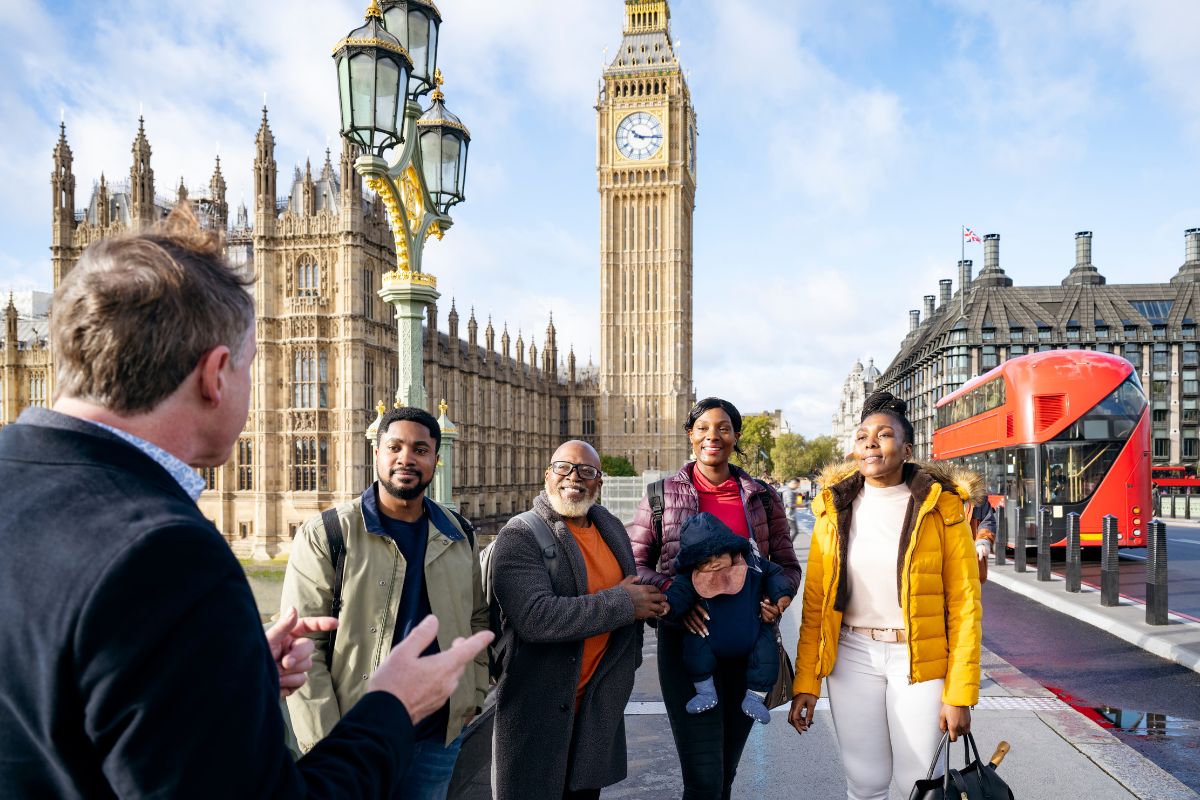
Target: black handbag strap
[(337, 555)]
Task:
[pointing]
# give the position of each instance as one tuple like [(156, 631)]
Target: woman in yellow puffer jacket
[(892, 618)]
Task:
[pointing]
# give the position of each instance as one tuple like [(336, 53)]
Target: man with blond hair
[(143, 669)]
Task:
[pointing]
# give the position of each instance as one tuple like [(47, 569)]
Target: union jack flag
[(970, 236)]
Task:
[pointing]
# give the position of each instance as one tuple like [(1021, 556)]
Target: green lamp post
[(384, 67)]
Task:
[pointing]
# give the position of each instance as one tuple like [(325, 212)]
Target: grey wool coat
[(535, 700)]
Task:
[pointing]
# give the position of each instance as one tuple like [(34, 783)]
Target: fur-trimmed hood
[(843, 478)]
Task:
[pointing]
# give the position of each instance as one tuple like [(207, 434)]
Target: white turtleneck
[(875, 527)]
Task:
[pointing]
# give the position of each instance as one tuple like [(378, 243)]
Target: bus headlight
[(1137, 533), (1137, 521)]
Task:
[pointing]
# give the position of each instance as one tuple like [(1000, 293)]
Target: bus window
[(1071, 471), (1114, 417)]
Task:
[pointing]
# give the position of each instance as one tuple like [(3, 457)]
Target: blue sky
[(841, 147)]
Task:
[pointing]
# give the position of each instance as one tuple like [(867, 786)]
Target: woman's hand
[(801, 714), (770, 612), (694, 621), (955, 720)]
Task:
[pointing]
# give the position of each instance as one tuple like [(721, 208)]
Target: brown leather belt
[(880, 634)]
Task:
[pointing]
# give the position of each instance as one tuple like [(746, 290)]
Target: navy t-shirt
[(412, 538)]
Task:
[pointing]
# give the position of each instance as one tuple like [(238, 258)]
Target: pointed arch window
[(245, 465), (310, 379), (308, 277), (310, 459)]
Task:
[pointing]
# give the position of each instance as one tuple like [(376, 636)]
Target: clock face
[(639, 135)]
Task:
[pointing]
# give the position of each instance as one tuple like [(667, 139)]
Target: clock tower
[(646, 165)]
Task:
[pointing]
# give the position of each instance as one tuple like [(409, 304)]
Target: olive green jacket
[(373, 578)]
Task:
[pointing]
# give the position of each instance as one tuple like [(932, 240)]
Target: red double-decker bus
[(1067, 430)]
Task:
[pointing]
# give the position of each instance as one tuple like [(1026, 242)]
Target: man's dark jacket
[(134, 663)]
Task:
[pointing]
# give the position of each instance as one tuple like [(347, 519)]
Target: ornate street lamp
[(383, 68), (444, 143), (373, 69), (415, 23)]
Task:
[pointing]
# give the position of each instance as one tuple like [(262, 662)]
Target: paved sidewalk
[(1056, 751)]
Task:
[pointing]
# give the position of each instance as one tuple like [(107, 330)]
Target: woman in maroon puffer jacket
[(712, 484)]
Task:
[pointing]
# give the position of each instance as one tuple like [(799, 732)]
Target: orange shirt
[(603, 572)]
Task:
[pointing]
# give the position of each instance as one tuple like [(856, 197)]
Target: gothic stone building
[(855, 389), (26, 376), (327, 344), (327, 350), (966, 333)]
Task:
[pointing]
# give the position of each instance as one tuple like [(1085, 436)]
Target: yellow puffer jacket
[(937, 584)]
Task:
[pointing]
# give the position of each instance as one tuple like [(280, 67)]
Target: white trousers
[(885, 726)]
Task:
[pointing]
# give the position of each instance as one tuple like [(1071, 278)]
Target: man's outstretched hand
[(423, 684), (292, 649)]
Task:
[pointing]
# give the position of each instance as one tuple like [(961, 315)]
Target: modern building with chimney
[(960, 334)]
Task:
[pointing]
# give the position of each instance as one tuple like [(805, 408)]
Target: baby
[(717, 569)]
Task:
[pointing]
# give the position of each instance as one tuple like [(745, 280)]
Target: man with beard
[(405, 557), (560, 705)]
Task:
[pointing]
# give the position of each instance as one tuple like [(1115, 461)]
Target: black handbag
[(975, 781), (781, 692)]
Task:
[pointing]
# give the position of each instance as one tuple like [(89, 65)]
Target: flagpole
[(962, 289)]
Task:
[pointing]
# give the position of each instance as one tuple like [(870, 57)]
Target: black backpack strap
[(337, 555), (466, 526), (765, 497), (546, 540), (654, 494)]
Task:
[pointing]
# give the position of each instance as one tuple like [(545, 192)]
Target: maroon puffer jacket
[(656, 560)]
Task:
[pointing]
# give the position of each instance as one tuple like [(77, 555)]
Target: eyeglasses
[(564, 468)]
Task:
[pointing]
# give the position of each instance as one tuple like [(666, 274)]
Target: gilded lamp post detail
[(384, 67)]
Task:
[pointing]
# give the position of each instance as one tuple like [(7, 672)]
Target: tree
[(756, 445), (817, 453), (616, 466), (788, 455)]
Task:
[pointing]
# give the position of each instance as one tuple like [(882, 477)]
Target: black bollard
[(1019, 539), (1043, 544), (1156, 573), (1074, 553), (1002, 538), (1109, 577)]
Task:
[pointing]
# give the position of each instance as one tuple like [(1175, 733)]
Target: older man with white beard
[(560, 706)]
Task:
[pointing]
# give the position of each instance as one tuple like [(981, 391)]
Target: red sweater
[(723, 501)]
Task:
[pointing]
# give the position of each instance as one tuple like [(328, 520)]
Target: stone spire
[(452, 322), (550, 351), (10, 325), (62, 228), (571, 364), (181, 194), (141, 181), (351, 181), (103, 212), (308, 191), (532, 354), (472, 328), (265, 172), (218, 207), (489, 336), (520, 347), (504, 342), (62, 180)]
